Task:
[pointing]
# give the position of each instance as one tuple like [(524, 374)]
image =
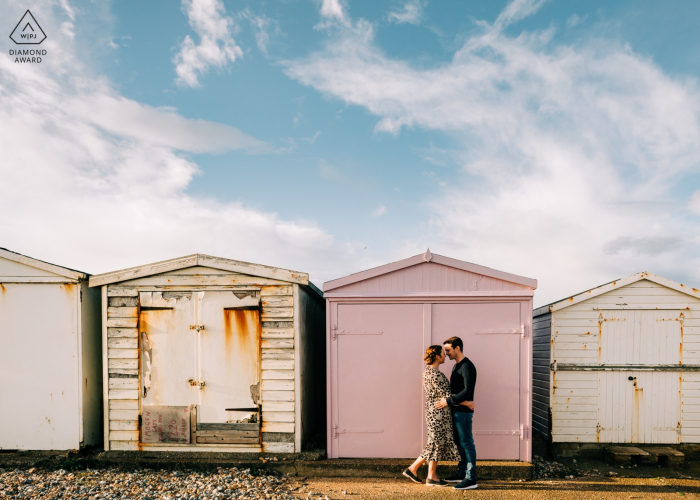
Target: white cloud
[(412, 13), (381, 210), (570, 154), (332, 9), (94, 181), (574, 20), (216, 47)]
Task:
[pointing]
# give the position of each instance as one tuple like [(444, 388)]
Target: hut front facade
[(380, 322), (619, 364), (50, 362), (209, 354)]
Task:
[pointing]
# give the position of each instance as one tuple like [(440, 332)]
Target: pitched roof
[(428, 257), (614, 285), (199, 259), (40, 264)]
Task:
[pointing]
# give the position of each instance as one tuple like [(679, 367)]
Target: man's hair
[(455, 342)]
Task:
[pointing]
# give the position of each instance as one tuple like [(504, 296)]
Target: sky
[(554, 140)]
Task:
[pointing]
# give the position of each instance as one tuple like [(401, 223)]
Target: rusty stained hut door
[(201, 348), (639, 406)]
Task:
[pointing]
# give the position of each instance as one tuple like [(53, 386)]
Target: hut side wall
[(91, 359), (541, 339), (312, 365), (579, 398), (277, 348), (430, 277)]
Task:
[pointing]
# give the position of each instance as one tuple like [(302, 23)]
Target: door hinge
[(196, 383), (523, 432), (334, 332), (197, 327), (337, 432)]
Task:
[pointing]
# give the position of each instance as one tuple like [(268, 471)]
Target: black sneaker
[(456, 478), (410, 475), (467, 484), (439, 482)]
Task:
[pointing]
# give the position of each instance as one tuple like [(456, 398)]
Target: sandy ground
[(579, 488)]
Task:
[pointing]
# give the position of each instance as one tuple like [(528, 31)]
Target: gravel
[(543, 469), (144, 484)]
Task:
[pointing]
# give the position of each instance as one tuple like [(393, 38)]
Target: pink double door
[(376, 370)]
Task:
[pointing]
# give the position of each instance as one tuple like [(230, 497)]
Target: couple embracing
[(449, 409)]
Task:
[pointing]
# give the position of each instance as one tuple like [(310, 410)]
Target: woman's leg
[(416, 465), (432, 471)]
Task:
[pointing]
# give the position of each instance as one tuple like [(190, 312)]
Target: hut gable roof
[(616, 285), (198, 259), (18, 265), (430, 272)]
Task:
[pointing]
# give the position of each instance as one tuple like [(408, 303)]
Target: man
[(462, 383)]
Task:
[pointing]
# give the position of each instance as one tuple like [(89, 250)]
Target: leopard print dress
[(441, 445)]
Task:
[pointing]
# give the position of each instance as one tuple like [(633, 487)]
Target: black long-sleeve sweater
[(462, 383)]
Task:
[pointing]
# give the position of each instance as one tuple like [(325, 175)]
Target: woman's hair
[(431, 353)]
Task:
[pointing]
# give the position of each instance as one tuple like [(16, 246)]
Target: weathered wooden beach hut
[(204, 353), (380, 322), (50, 361), (619, 364)]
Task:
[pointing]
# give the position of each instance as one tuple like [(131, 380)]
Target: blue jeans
[(464, 440)]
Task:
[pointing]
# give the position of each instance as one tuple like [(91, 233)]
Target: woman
[(441, 444)]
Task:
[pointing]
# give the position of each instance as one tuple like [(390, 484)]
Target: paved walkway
[(579, 488)]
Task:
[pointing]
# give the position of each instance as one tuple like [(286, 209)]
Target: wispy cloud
[(216, 47), (412, 12), (104, 179), (381, 210), (570, 153)]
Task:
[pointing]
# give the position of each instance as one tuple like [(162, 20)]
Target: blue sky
[(556, 140)]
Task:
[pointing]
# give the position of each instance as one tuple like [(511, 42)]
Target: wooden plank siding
[(642, 323), (277, 353), (541, 341), (122, 406)]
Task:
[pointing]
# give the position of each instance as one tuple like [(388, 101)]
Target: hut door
[(491, 336), (376, 372), (639, 406), (229, 355), (201, 348)]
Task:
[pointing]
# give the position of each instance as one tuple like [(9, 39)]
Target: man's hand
[(440, 404), (468, 404)]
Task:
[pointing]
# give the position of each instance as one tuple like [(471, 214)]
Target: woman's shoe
[(439, 482), (410, 475)]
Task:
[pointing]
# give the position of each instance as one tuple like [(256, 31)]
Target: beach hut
[(209, 354), (619, 364), (380, 321), (50, 360)]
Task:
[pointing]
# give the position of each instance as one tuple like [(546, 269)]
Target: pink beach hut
[(379, 323)]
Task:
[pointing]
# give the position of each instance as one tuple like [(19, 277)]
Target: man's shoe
[(456, 478), (439, 482), (467, 484), (410, 475)]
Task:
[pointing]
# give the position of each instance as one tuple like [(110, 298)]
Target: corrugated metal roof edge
[(85, 275)]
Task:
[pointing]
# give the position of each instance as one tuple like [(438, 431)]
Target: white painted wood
[(277, 396), (277, 333), (200, 260), (105, 367), (275, 290), (120, 362), (122, 404), (278, 447), (277, 344), (277, 312), (122, 322), (278, 416), (278, 406), (33, 265), (277, 354), (277, 427), (123, 394), (277, 364), (278, 385), (124, 415), (122, 332), (123, 425), (122, 312), (278, 301), (204, 280), (123, 445), (122, 343), (123, 383), (278, 374), (123, 435), (114, 291), (122, 353)]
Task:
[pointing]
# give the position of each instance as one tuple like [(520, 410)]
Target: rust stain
[(2, 287), (228, 333), (86, 384)]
